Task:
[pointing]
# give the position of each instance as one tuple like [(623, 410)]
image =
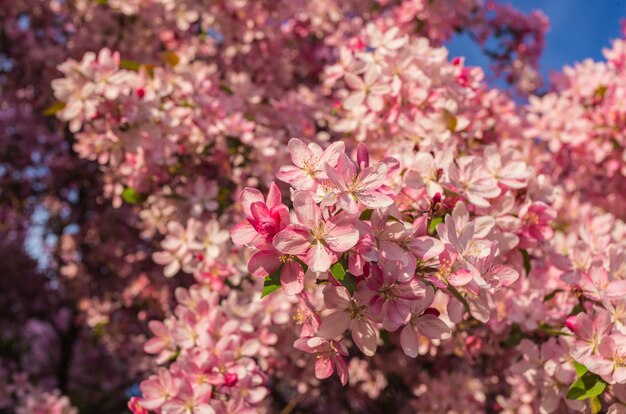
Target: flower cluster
[(425, 236), (218, 353), (381, 245)]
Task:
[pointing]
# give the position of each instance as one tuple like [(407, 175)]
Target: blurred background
[(579, 29)]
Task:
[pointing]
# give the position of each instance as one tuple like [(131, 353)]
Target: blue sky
[(579, 29)]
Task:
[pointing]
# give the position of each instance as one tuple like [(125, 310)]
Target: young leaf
[(595, 405), (366, 214), (170, 58), (130, 64), (588, 386), (131, 196), (271, 284), (526, 260), (345, 278), (54, 108), (432, 226), (580, 369), (551, 295)]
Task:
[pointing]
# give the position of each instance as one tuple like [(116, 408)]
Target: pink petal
[(348, 203), (264, 263), (303, 345), (306, 210), (342, 369), (460, 277), (299, 152), (409, 341), (295, 177), (273, 196), (153, 346), (506, 274), (319, 258), (455, 310), (323, 367), (334, 325), (398, 311), (616, 290), (292, 278), (365, 337), (599, 365), (247, 197), (341, 238), (335, 177), (332, 153), (243, 233), (354, 100), (432, 327), (374, 199), (294, 240), (353, 81), (336, 297), (426, 248), (375, 102), (373, 177)]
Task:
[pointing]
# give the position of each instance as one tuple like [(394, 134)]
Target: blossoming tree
[(249, 206)]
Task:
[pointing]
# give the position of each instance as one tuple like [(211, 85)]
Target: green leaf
[(577, 309), (54, 108), (174, 356), (580, 369), (131, 196), (546, 328), (588, 386), (135, 66), (595, 405), (432, 226), (272, 283), (366, 214), (551, 295), (227, 89), (345, 278), (515, 337), (170, 58), (450, 120), (130, 64), (526, 260)]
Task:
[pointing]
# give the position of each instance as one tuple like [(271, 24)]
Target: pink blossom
[(264, 218), (158, 389), (422, 320), (536, 219), (589, 333), (318, 240), (469, 177), (597, 286), (329, 356), (369, 90), (309, 162), (362, 187), (190, 399), (389, 298), (349, 313), (265, 262)]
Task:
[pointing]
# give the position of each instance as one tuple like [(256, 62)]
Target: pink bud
[(432, 311), (571, 323), (362, 156), (230, 379), (135, 406), (437, 198)]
